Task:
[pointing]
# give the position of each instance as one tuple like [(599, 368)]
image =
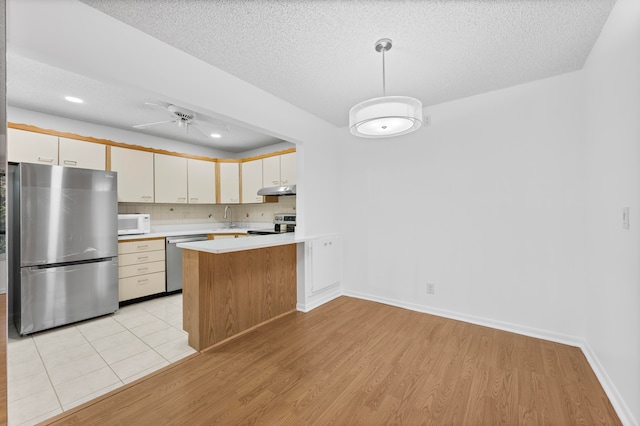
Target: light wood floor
[(358, 362)]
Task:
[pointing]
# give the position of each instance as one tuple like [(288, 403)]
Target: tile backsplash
[(170, 214)]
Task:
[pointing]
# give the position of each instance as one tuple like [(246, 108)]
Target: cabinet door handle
[(181, 199), (284, 181), (70, 162), (194, 199), (276, 182), (45, 159)]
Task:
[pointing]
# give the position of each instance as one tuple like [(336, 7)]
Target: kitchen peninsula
[(233, 285)]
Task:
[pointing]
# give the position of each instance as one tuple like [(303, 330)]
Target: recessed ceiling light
[(215, 135), (74, 99)]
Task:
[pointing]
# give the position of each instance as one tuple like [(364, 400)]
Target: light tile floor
[(52, 371)]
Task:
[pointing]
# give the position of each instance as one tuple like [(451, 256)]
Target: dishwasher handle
[(177, 240)]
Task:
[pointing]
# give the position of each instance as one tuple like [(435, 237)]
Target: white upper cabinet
[(271, 171), (135, 174), (31, 147), (86, 155), (201, 181), (251, 181), (288, 169), (229, 183), (170, 179), (279, 170)]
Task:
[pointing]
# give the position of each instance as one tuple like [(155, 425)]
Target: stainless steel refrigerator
[(64, 239)]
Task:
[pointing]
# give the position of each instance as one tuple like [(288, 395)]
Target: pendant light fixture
[(386, 116)]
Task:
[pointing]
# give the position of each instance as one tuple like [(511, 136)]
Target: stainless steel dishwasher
[(174, 259)]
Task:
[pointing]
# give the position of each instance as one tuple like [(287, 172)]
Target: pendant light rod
[(384, 80), (383, 45)]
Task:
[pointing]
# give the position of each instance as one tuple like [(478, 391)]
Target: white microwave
[(129, 224)]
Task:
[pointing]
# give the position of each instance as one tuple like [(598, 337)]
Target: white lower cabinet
[(326, 262), (141, 268)]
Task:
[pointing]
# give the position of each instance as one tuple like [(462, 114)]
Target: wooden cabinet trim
[(271, 154), (35, 129)]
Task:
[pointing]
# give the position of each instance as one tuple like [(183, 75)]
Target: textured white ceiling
[(319, 55)]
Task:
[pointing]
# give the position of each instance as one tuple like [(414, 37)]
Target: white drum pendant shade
[(385, 116)]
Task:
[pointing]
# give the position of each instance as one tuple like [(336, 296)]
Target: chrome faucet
[(231, 224)]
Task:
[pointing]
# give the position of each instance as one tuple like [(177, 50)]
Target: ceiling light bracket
[(383, 45)]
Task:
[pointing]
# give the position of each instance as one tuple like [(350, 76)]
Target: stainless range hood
[(278, 190)]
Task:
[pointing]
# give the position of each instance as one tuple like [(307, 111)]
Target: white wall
[(612, 76), (487, 204)]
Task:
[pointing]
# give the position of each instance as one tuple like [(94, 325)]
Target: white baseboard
[(319, 300), (486, 322), (621, 408), (619, 405)]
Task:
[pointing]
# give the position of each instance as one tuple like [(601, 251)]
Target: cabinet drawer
[(140, 269), (136, 258), (140, 246), (140, 286)]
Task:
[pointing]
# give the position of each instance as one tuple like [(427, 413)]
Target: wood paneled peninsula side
[(234, 285)]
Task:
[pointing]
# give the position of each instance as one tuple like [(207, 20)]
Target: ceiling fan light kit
[(385, 116)]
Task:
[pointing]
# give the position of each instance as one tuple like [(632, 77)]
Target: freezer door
[(67, 214), (50, 297)]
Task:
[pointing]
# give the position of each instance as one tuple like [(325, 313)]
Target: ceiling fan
[(184, 119)]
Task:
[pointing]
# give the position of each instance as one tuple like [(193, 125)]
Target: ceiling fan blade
[(162, 107), (151, 104), (142, 126), (199, 129), (218, 126)]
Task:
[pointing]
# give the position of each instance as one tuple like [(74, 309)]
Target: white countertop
[(163, 231), (240, 244)]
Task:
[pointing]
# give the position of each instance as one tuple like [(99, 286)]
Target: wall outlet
[(431, 288)]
